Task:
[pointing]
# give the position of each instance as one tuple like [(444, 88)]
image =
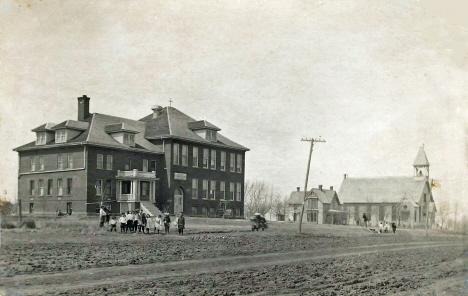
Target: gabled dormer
[(204, 129), (121, 134), (44, 134), (68, 130)]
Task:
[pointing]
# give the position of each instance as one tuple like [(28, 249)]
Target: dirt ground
[(219, 257)]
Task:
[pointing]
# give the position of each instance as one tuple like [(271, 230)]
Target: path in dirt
[(47, 284)]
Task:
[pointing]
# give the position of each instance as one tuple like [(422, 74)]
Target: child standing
[(129, 221), (167, 223), (149, 223), (136, 219), (113, 223), (123, 222), (158, 223)]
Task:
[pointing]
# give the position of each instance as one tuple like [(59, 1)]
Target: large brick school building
[(166, 161)]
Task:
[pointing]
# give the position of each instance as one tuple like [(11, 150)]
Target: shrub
[(8, 225), (30, 224)]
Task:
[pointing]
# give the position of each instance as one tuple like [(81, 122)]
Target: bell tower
[(421, 164)]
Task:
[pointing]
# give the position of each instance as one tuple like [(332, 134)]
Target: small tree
[(6, 207), (443, 212)]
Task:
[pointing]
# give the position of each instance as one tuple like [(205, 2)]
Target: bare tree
[(278, 204), (443, 212), (261, 197), (455, 207)]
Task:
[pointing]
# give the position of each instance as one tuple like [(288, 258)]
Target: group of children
[(137, 221), (385, 227)]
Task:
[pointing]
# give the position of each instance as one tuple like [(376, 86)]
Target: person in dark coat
[(108, 214), (181, 223), (167, 223), (143, 221), (394, 227), (364, 217)]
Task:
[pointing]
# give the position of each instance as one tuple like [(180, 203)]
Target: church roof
[(421, 159), (325, 196)]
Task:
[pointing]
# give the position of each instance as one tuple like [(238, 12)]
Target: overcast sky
[(376, 79)]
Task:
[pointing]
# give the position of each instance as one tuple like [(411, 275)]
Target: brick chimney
[(331, 187), (320, 187), (83, 108), (298, 189), (345, 176), (156, 111)]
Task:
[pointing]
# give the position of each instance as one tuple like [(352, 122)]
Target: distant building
[(167, 161), (323, 206), (406, 200)]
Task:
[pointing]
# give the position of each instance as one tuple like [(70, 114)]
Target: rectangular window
[(213, 159), (69, 161), (213, 189), (145, 165), (61, 136), (206, 155), (231, 191), (194, 211), (41, 187), (126, 187), (152, 166), (129, 139), (204, 211), (33, 163), (238, 212), (145, 188), (60, 162), (41, 163), (50, 188), (32, 187), (239, 163), (194, 188), (176, 154), (69, 186), (424, 197), (128, 164), (98, 187), (195, 157), (205, 189), (222, 189), (100, 161), (109, 162), (108, 191), (185, 155), (31, 208), (223, 160), (232, 162), (41, 138), (212, 212), (59, 187), (238, 191)]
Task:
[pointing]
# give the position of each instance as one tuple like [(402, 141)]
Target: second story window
[(153, 166), (238, 191), (239, 163), (100, 161), (194, 188), (128, 164), (41, 163), (60, 162), (41, 138), (145, 165), (231, 191), (69, 186), (98, 187), (195, 157), (205, 189), (50, 188), (213, 189), (41, 187), (176, 154), (213, 159), (232, 162), (61, 136), (59, 187), (33, 163), (185, 155), (69, 161), (206, 155), (109, 162), (32, 187), (223, 161), (222, 189)]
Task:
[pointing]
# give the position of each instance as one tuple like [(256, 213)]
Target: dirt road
[(112, 280)]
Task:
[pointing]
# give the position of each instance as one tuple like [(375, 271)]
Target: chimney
[(331, 187), (156, 111), (346, 176), (298, 189), (83, 108), (320, 187)]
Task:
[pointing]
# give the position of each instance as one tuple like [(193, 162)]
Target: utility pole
[(312, 141)]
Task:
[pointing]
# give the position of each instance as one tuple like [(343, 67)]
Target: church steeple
[(421, 164)]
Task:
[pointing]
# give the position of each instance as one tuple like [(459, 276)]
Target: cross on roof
[(170, 102)]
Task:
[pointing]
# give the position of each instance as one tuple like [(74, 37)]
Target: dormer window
[(211, 135), (61, 136), (129, 139), (41, 138), (204, 129), (122, 133)]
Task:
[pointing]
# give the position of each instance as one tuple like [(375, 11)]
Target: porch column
[(118, 189)]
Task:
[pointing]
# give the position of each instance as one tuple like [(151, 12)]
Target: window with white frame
[(61, 136), (98, 187), (108, 190), (239, 163), (129, 139), (184, 155), (231, 191), (59, 187), (41, 138), (40, 184), (222, 190), (100, 161), (176, 154), (213, 189), (109, 162), (223, 161), (213, 159), (211, 135), (33, 163), (205, 189), (195, 157), (145, 165), (194, 188), (69, 186), (238, 191), (32, 187), (60, 162), (70, 161), (41, 163), (50, 187), (232, 162), (128, 163), (206, 156)]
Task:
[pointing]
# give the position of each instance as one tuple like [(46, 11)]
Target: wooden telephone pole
[(312, 141)]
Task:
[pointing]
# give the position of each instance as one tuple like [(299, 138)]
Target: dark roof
[(382, 190), (202, 124), (44, 127), (325, 196), (421, 158), (72, 124), (297, 197), (172, 123)]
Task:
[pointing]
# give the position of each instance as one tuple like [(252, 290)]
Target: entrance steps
[(149, 208)]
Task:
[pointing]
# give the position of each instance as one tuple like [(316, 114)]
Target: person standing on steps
[(167, 223), (181, 223)]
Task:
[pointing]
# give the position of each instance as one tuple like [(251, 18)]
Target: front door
[(144, 191), (178, 201)]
